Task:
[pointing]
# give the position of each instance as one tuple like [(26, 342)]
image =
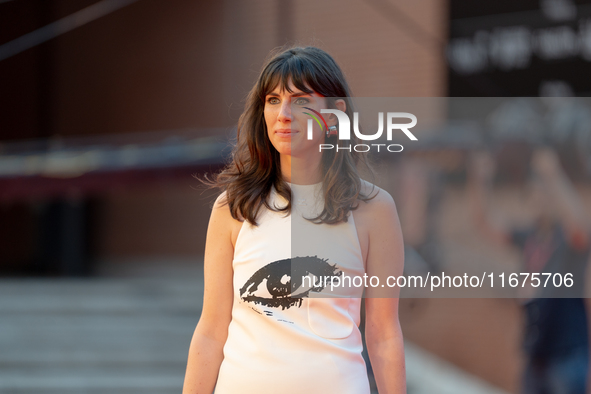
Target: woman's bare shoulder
[(380, 198), (223, 219), (221, 208), (221, 201), (374, 217), (378, 217)]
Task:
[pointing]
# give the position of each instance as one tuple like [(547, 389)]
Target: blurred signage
[(526, 48)]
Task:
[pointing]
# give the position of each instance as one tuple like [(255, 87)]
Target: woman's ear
[(341, 106)]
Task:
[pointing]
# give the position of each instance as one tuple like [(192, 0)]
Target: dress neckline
[(304, 186)]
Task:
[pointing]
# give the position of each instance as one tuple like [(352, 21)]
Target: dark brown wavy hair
[(254, 167)]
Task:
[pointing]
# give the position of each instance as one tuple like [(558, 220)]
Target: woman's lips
[(286, 133)]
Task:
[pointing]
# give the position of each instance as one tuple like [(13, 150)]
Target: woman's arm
[(205, 351), (383, 334)]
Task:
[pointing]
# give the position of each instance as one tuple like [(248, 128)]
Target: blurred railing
[(56, 167)]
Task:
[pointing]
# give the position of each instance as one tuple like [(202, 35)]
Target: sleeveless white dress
[(278, 342)]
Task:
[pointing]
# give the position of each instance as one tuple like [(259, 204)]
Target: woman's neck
[(301, 171)]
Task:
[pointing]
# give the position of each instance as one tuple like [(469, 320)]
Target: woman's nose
[(285, 111)]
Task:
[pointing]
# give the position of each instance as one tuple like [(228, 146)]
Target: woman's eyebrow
[(297, 94)]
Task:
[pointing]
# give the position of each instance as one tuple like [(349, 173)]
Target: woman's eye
[(302, 101), (273, 100), (281, 284)]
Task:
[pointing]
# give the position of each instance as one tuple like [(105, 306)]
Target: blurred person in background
[(421, 187), (253, 335), (556, 335)]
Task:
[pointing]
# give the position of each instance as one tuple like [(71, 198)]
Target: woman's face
[(287, 124)]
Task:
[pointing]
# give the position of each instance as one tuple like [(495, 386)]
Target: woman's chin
[(284, 150), (296, 150)]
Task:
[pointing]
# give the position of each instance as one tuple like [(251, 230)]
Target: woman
[(284, 201)]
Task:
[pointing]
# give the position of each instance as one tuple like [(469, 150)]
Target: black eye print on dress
[(280, 278)]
